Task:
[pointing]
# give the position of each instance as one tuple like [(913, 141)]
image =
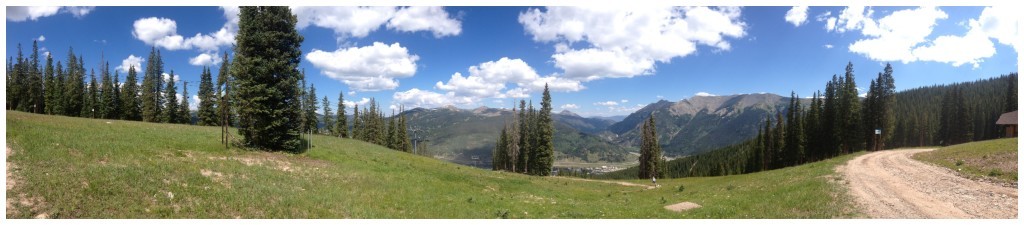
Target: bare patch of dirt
[(889, 184), (264, 159), (682, 206), (216, 177), (623, 183)]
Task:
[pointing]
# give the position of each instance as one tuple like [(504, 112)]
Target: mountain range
[(687, 127)]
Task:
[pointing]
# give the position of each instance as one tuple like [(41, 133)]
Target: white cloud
[(362, 102), (167, 76), (607, 103), (903, 35), (427, 99), (627, 42), (163, 32), (704, 94), (368, 68), (570, 106), (41, 38), (205, 59), (490, 80), (828, 46), (895, 35), (797, 15), (361, 21), (132, 60), (195, 103), (23, 13), (1001, 23), (660, 97), (419, 18), (624, 101)]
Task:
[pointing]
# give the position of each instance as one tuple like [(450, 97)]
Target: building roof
[(1007, 118)]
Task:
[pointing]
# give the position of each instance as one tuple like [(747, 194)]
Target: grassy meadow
[(67, 167), (992, 159)]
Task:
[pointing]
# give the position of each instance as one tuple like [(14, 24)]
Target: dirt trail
[(889, 184), (10, 179), (623, 183)]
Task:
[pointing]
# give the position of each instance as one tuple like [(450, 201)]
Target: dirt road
[(889, 184)]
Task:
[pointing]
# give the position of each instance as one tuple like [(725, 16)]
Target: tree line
[(261, 92), (525, 144), (839, 122)]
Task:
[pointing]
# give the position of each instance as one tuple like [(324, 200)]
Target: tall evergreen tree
[(183, 109), (35, 82), (311, 107), (522, 162), (357, 126), (50, 87), (170, 109), (794, 132), (849, 113), (1011, 96), (10, 78), (341, 123), (207, 100), (131, 104), (545, 137), (500, 148), (403, 134), (58, 90), (650, 151), (392, 134), (106, 103), (267, 55), (327, 116), (89, 110), (150, 93), (74, 86), (224, 97)]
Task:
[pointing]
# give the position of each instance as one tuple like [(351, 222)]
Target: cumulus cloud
[(570, 106), (41, 38), (607, 103), (428, 99), (361, 102), (23, 13), (195, 105), (491, 80), (433, 19), (131, 61), (167, 77), (163, 32), (903, 35), (627, 42), (361, 21), (797, 15), (204, 59), (368, 68), (828, 46), (704, 94)]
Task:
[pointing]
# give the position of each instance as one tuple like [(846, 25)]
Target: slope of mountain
[(468, 136), (702, 123)]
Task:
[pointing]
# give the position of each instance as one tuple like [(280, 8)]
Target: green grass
[(90, 168), (983, 159)]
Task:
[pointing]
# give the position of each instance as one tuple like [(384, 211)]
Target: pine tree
[(131, 103), (392, 134), (224, 98), (650, 151), (794, 149), (341, 123), (74, 86), (106, 102), (50, 87), (89, 110), (403, 135), (170, 109), (150, 93), (10, 79), (545, 137), (357, 127), (35, 90), (849, 113), (500, 149), (266, 75), (183, 109), (522, 163), (311, 107), (327, 116), (58, 90), (1011, 96), (207, 100), (812, 130)]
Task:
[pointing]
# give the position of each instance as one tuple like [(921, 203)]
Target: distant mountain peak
[(566, 112)]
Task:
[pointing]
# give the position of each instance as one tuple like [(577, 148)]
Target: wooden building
[(1009, 121)]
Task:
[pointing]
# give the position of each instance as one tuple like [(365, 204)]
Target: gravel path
[(889, 184)]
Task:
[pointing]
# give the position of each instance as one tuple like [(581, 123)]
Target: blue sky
[(600, 61)]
